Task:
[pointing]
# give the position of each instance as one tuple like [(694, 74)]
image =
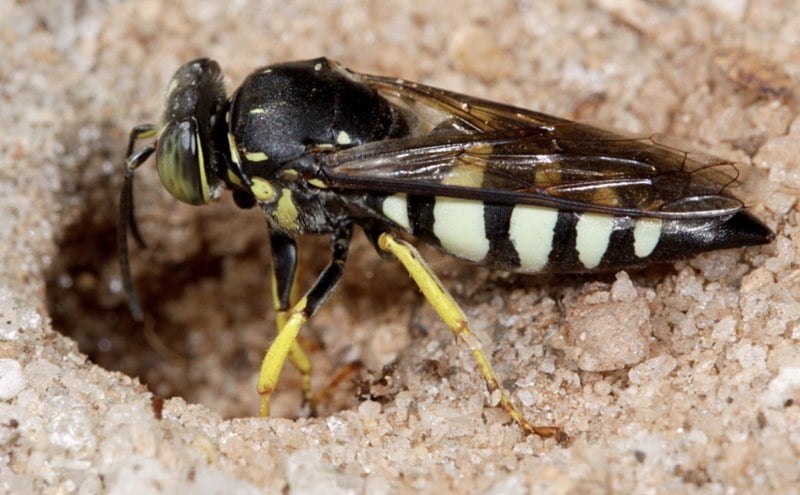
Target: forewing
[(467, 147)]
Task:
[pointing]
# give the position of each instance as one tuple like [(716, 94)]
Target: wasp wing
[(466, 147)]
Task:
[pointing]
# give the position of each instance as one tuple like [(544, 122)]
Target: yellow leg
[(287, 273), (452, 315), (298, 357), (290, 320), (300, 361), (284, 345)]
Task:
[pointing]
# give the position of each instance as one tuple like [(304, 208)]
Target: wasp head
[(187, 151)]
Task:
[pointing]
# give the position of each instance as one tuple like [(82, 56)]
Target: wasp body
[(321, 149)]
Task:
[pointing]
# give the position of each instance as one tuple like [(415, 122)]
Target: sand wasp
[(322, 149)]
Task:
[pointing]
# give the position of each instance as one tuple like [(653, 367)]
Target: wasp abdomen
[(531, 239)]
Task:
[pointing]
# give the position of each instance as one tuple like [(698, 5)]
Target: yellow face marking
[(201, 164), (256, 156), (286, 211), (343, 138), (257, 111), (262, 190)]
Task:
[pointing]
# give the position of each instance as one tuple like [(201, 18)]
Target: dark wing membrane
[(466, 147)]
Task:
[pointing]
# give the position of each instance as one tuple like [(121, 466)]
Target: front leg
[(290, 319), (285, 262)]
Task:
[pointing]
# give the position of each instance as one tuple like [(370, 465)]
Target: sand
[(677, 379)]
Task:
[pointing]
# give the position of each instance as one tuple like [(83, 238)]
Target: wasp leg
[(284, 293), (449, 311), (285, 344)]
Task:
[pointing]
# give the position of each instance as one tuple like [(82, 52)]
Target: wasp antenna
[(123, 222), (132, 223), (126, 220)]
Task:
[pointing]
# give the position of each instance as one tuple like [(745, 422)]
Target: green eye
[(180, 162)]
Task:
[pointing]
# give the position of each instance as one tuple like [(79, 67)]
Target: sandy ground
[(677, 379)]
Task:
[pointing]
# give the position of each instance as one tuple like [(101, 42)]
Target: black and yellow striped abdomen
[(534, 239)]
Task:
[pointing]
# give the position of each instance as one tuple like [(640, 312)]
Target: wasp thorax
[(283, 111)]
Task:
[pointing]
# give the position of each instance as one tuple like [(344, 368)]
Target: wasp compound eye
[(181, 164)]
